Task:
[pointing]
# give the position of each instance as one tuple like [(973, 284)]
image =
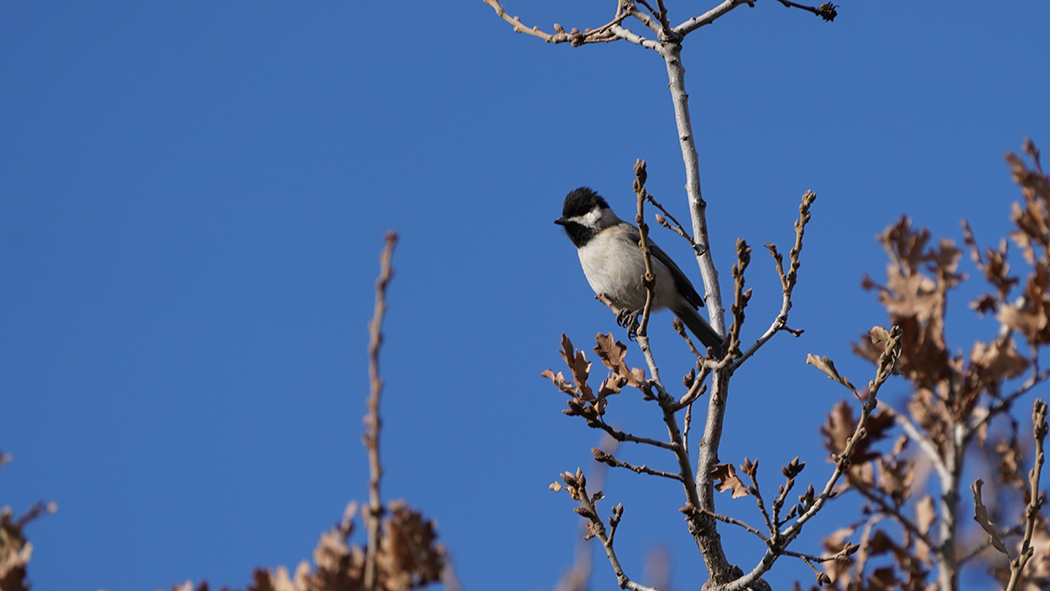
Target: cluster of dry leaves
[(957, 421), (15, 549), (583, 400), (408, 558), (405, 554)]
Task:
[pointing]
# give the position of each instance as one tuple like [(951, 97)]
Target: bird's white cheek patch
[(591, 217)]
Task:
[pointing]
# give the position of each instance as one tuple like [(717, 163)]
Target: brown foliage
[(583, 401), (955, 397), (409, 557), (15, 549), (726, 480)]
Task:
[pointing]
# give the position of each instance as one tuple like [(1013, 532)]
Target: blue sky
[(194, 196)]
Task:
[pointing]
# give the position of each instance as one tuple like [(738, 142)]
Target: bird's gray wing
[(681, 282)]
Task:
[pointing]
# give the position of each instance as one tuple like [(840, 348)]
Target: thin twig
[(679, 327), (668, 404), (602, 34), (736, 522), (740, 296), (625, 33), (622, 436), (687, 422), (753, 475), (676, 228), (607, 458), (374, 513), (887, 362), (649, 279), (829, 558), (825, 11), (1004, 403), (645, 18), (577, 577), (927, 445), (577, 488), (895, 512), (662, 15), (787, 280), (1036, 498), (695, 391), (708, 17)]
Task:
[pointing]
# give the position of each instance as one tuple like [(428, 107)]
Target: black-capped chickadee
[(614, 265)]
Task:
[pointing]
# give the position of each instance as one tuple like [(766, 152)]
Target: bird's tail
[(703, 331)]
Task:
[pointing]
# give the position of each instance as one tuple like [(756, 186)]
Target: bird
[(614, 265)]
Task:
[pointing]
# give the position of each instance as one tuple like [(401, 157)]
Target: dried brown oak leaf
[(726, 479), (841, 425), (991, 363), (1030, 314), (612, 354)]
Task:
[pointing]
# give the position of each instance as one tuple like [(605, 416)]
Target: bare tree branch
[(787, 280), (1036, 498), (607, 458), (888, 361), (896, 514), (602, 34), (708, 17), (927, 446), (738, 523), (576, 484), (374, 513), (825, 11)]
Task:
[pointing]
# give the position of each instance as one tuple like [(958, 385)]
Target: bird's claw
[(629, 320)]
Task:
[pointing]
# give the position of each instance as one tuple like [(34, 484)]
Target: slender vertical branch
[(704, 531), (672, 53), (1035, 497), (649, 279), (706, 536), (953, 455), (374, 512), (701, 525)]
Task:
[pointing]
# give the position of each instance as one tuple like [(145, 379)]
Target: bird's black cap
[(579, 202)]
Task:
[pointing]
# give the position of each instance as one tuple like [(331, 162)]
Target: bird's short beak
[(561, 221)]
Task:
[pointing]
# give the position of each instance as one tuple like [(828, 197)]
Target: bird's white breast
[(614, 266)]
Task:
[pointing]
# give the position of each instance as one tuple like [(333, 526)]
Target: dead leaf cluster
[(947, 423), (409, 557), (15, 549), (583, 400), (907, 568)]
